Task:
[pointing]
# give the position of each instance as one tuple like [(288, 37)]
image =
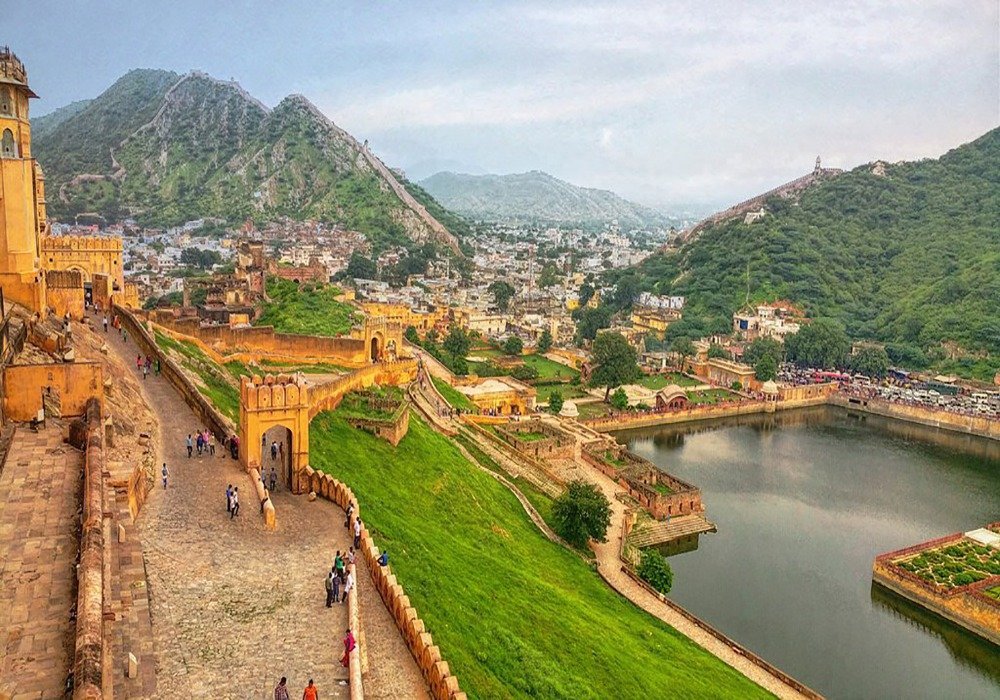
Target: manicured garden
[(658, 381), (312, 309), (514, 614), (957, 564), (709, 396)]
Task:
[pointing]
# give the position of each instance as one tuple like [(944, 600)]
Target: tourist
[(236, 503), (348, 648), (274, 451), (138, 362), (145, 372), (337, 580), (273, 479), (311, 692), (263, 441), (357, 532), (125, 337), (350, 556), (200, 441), (330, 577), (350, 509), (105, 324), (164, 473), (234, 447), (338, 563), (211, 442), (383, 559), (281, 690), (229, 498), (348, 583)]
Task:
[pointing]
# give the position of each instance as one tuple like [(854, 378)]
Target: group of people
[(204, 442), (311, 692), (340, 581), (147, 364)]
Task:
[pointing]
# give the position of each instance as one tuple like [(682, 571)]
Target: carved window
[(8, 148), (6, 102)]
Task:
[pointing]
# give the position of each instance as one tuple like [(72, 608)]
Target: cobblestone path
[(234, 606), (40, 490)]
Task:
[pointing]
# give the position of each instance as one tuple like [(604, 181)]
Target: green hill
[(167, 148), (910, 258)]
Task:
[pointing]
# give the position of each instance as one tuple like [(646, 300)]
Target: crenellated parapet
[(101, 244), (270, 392)]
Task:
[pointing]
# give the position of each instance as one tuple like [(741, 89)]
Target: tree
[(760, 347), (457, 342), (360, 267), (555, 401), (820, 344), (626, 292), (544, 341), (513, 346), (581, 513), (502, 294), (684, 348), (589, 321), (200, 258), (524, 373), (716, 350), (615, 362), (871, 362), (655, 570), (766, 368), (586, 293), (549, 277), (431, 338), (411, 334), (459, 365), (619, 399)]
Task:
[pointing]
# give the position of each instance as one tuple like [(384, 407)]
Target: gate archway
[(266, 405)]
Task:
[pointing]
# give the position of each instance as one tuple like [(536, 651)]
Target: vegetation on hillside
[(911, 259), (313, 309), (476, 569)]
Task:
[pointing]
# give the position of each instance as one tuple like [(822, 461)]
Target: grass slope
[(308, 310), (452, 395), (515, 615)]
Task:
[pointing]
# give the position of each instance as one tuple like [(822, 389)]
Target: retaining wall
[(442, 683), (974, 425)]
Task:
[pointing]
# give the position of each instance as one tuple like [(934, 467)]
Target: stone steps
[(665, 531)]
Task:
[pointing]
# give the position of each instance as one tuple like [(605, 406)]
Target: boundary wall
[(973, 425), (75, 382)]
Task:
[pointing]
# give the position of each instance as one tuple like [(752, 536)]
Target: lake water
[(803, 502)]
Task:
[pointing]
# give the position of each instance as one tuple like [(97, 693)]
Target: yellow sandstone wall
[(76, 382)]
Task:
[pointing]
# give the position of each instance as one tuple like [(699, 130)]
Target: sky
[(672, 104)]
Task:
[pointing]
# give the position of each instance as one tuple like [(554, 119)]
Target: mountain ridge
[(166, 148), (536, 196)]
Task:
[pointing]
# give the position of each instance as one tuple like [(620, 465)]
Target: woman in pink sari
[(349, 645)]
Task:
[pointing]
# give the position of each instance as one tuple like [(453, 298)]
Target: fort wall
[(974, 425), (72, 384)]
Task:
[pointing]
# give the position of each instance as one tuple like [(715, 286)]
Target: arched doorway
[(376, 350), (276, 457)]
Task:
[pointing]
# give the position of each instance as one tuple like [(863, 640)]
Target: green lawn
[(549, 369), (308, 310), (514, 614), (658, 381), (456, 398), (709, 396), (993, 592), (214, 384), (595, 409)]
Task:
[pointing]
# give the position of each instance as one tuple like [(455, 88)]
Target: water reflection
[(970, 650), (682, 545)]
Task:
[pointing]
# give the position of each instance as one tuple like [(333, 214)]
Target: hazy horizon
[(664, 104)]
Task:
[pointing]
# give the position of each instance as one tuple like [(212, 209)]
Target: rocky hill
[(167, 148), (537, 197), (905, 253)]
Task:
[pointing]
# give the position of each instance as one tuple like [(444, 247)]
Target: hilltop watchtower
[(22, 191)]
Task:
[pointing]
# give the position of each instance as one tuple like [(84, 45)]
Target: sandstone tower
[(22, 191)]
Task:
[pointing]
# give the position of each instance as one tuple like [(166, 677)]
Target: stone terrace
[(40, 489)]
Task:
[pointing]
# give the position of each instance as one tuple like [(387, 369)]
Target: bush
[(619, 399), (655, 570), (513, 346), (555, 401), (524, 373), (580, 513)]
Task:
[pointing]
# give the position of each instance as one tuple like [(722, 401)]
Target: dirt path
[(234, 606)]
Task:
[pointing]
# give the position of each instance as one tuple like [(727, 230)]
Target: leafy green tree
[(431, 337), (502, 293), (524, 373), (549, 277), (513, 346), (457, 342), (582, 512), (360, 267), (586, 293), (555, 401), (871, 362), (619, 399), (716, 350), (411, 334), (766, 368), (615, 362), (589, 321), (459, 365), (683, 347), (820, 344), (655, 570), (626, 291), (200, 258), (760, 347), (545, 341)]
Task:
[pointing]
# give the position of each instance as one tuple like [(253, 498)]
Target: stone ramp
[(660, 531)]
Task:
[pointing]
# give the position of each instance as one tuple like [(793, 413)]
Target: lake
[(803, 501)]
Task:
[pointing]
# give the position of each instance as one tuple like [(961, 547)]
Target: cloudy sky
[(665, 102)]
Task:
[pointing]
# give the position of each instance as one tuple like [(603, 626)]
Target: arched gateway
[(266, 403)]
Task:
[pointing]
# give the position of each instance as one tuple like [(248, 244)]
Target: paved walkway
[(234, 606), (40, 491)]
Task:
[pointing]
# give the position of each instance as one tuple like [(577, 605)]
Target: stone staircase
[(661, 531)]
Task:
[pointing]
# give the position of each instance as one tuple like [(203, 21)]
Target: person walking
[(145, 372), (105, 324), (338, 563), (229, 498), (138, 362), (336, 581), (164, 473), (350, 509), (311, 692), (236, 503), (210, 436), (273, 479), (349, 645), (125, 337), (156, 363), (281, 690), (190, 445), (329, 587), (200, 442), (357, 533), (274, 451)]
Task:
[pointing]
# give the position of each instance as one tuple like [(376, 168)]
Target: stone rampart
[(557, 444), (539, 465), (392, 429), (442, 683), (661, 494), (327, 397), (89, 648)]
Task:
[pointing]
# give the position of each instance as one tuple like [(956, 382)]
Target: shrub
[(555, 401), (581, 512), (619, 399), (655, 570)]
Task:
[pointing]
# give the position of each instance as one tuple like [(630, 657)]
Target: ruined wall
[(75, 383), (558, 444), (327, 397)]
